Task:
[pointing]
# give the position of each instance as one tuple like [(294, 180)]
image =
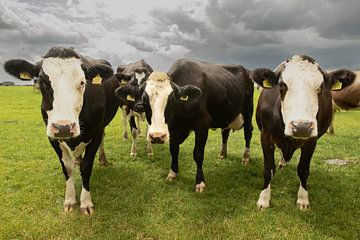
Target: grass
[(133, 200)]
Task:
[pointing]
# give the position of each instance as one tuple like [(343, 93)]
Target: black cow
[(77, 103), (139, 72), (195, 95), (348, 98), (293, 111)]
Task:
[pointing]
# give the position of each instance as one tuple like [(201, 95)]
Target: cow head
[(62, 78), (300, 81), (160, 99)]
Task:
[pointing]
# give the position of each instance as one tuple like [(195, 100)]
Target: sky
[(253, 33)]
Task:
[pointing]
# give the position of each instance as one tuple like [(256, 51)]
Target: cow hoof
[(150, 154), (68, 208), (171, 176), (303, 205), (262, 204), (245, 161), (303, 199), (222, 155), (133, 154), (87, 210), (200, 187)]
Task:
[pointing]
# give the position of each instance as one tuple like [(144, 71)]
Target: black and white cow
[(294, 110), (77, 103), (139, 72), (196, 96)]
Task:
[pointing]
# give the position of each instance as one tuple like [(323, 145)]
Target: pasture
[(133, 200)]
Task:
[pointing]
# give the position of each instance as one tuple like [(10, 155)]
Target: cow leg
[(176, 138), (138, 126), (102, 156), (303, 170), (248, 128), (268, 148), (68, 165), (134, 133), (201, 135), (149, 148), (331, 126), (225, 136), (87, 206), (124, 120)]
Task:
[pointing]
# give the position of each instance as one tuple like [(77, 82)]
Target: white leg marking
[(86, 206), (246, 156), (138, 125), (70, 195), (200, 187), (303, 199), (264, 198), (171, 176), (67, 158), (124, 121), (133, 151)]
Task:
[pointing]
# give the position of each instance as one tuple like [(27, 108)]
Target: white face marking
[(303, 79), (66, 78), (158, 88), (303, 199), (139, 77), (264, 198)]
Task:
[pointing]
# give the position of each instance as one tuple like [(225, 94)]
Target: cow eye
[(82, 83), (283, 88)]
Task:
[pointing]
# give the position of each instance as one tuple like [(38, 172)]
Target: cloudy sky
[(252, 33)]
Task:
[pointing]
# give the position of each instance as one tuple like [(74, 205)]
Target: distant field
[(133, 200)]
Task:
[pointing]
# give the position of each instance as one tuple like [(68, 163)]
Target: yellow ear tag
[(130, 98), (97, 79), (25, 76), (267, 84), (123, 81), (184, 98), (337, 85)]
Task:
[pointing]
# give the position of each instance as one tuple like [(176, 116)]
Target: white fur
[(171, 176), (85, 199), (200, 187), (303, 79), (139, 77), (70, 193), (65, 76), (67, 158), (237, 123), (158, 89), (303, 199), (246, 156), (264, 198)]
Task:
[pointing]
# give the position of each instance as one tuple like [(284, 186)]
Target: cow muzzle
[(63, 129), (157, 137), (302, 129)]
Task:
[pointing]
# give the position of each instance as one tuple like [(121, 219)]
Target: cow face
[(62, 84), (300, 81), (159, 98)]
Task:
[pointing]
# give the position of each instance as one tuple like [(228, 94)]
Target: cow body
[(77, 104), (293, 113), (348, 98), (196, 96), (139, 71)]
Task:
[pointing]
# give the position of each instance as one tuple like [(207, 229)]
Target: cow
[(294, 111), (348, 98), (78, 101), (195, 96), (139, 71)]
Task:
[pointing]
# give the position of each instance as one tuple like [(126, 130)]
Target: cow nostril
[(163, 136)]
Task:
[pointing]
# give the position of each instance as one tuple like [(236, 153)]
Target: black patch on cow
[(60, 52), (307, 58), (47, 92)]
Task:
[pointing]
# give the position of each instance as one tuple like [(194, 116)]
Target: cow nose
[(63, 129), (157, 137), (302, 129)]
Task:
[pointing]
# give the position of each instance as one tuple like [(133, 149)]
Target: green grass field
[(133, 200)]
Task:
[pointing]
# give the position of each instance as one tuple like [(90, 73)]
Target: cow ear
[(22, 69), (123, 78), (188, 93), (264, 77), (120, 69), (340, 79), (98, 73), (127, 92)]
